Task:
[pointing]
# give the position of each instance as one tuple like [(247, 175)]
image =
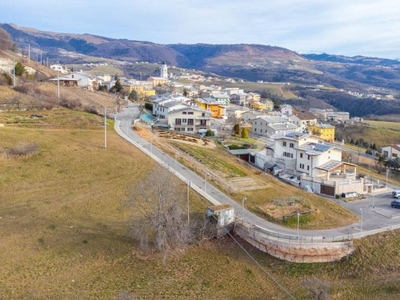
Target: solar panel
[(321, 147)]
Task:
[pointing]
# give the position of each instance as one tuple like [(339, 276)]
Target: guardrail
[(294, 238)]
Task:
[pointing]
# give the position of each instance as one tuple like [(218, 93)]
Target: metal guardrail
[(294, 238)]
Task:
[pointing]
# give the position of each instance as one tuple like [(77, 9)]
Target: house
[(286, 109), (217, 110), (253, 97), (223, 215), (76, 79), (239, 99), (391, 151), (324, 131), (162, 108), (189, 119), (158, 81), (303, 119), (251, 115), (258, 106), (59, 68), (268, 126), (338, 116)]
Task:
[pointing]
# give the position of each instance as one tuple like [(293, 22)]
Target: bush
[(210, 133), (148, 106)]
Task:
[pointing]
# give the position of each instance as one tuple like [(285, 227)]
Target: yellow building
[(258, 105), (141, 91), (217, 110), (324, 131), (158, 81)]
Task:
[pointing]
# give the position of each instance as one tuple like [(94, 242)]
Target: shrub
[(210, 133), (148, 106)]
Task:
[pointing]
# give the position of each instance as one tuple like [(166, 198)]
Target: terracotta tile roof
[(397, 147)]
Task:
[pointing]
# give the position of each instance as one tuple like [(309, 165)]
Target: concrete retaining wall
[(299, 252)]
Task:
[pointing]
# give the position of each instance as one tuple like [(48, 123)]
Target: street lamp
[(188, 201), (176, 160), (105, 127), (298, 224), (373, 197), (205, 181), (361, 220), (387, 174)]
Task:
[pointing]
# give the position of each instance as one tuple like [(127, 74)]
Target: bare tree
[(159, 199)]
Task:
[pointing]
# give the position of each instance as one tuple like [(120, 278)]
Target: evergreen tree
[(245, 133), (19, 69), (236, 129), (133, 95)]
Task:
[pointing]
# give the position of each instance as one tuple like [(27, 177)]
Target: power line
[(255, 261)]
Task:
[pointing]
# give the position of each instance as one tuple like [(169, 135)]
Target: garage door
[(327, 190)]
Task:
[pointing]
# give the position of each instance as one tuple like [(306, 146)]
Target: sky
[(343, 27)]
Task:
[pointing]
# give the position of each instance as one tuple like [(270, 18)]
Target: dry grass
[(64, 234)]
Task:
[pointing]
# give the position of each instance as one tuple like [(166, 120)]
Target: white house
[(303, 119), (391, 151), (189, 119), (304, 154), (286, 109), (162, 108), (265, 125)]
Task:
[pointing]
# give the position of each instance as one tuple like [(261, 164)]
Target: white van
[(396, 193)]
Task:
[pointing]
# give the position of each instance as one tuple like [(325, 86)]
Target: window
[(308, 157), (301, 155), (203, 114), (190, 113), (190, 122), (301, 166), (255, 129), (178, 122), (184, 113), (183, 120), (284, 144), (291, 145), (287, 154), (308, 168)]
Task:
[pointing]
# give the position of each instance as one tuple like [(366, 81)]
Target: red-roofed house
[(391, 151)]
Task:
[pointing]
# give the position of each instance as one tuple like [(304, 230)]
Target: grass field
[(64, 227), (276, 89)]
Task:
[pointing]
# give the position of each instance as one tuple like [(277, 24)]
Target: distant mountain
[(377, 77)]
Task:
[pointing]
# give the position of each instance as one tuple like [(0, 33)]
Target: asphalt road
[(375, 211)]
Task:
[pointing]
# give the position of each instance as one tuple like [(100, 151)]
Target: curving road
[(375, 211)]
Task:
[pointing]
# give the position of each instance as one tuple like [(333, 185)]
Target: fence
[(294, 238)]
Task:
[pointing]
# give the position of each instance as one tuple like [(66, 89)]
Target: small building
[(217, 110), (324, 131), (303, 119), (391, 151), (223, 215), (158, 81)]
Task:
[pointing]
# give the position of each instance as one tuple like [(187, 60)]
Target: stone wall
[(302, 251)]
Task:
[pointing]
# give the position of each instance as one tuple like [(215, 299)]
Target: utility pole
[(14, 75), (105, 127), (188, 201), (58, 84)]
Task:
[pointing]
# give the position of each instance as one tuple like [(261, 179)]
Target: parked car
[(396, 193), (395, 204)]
